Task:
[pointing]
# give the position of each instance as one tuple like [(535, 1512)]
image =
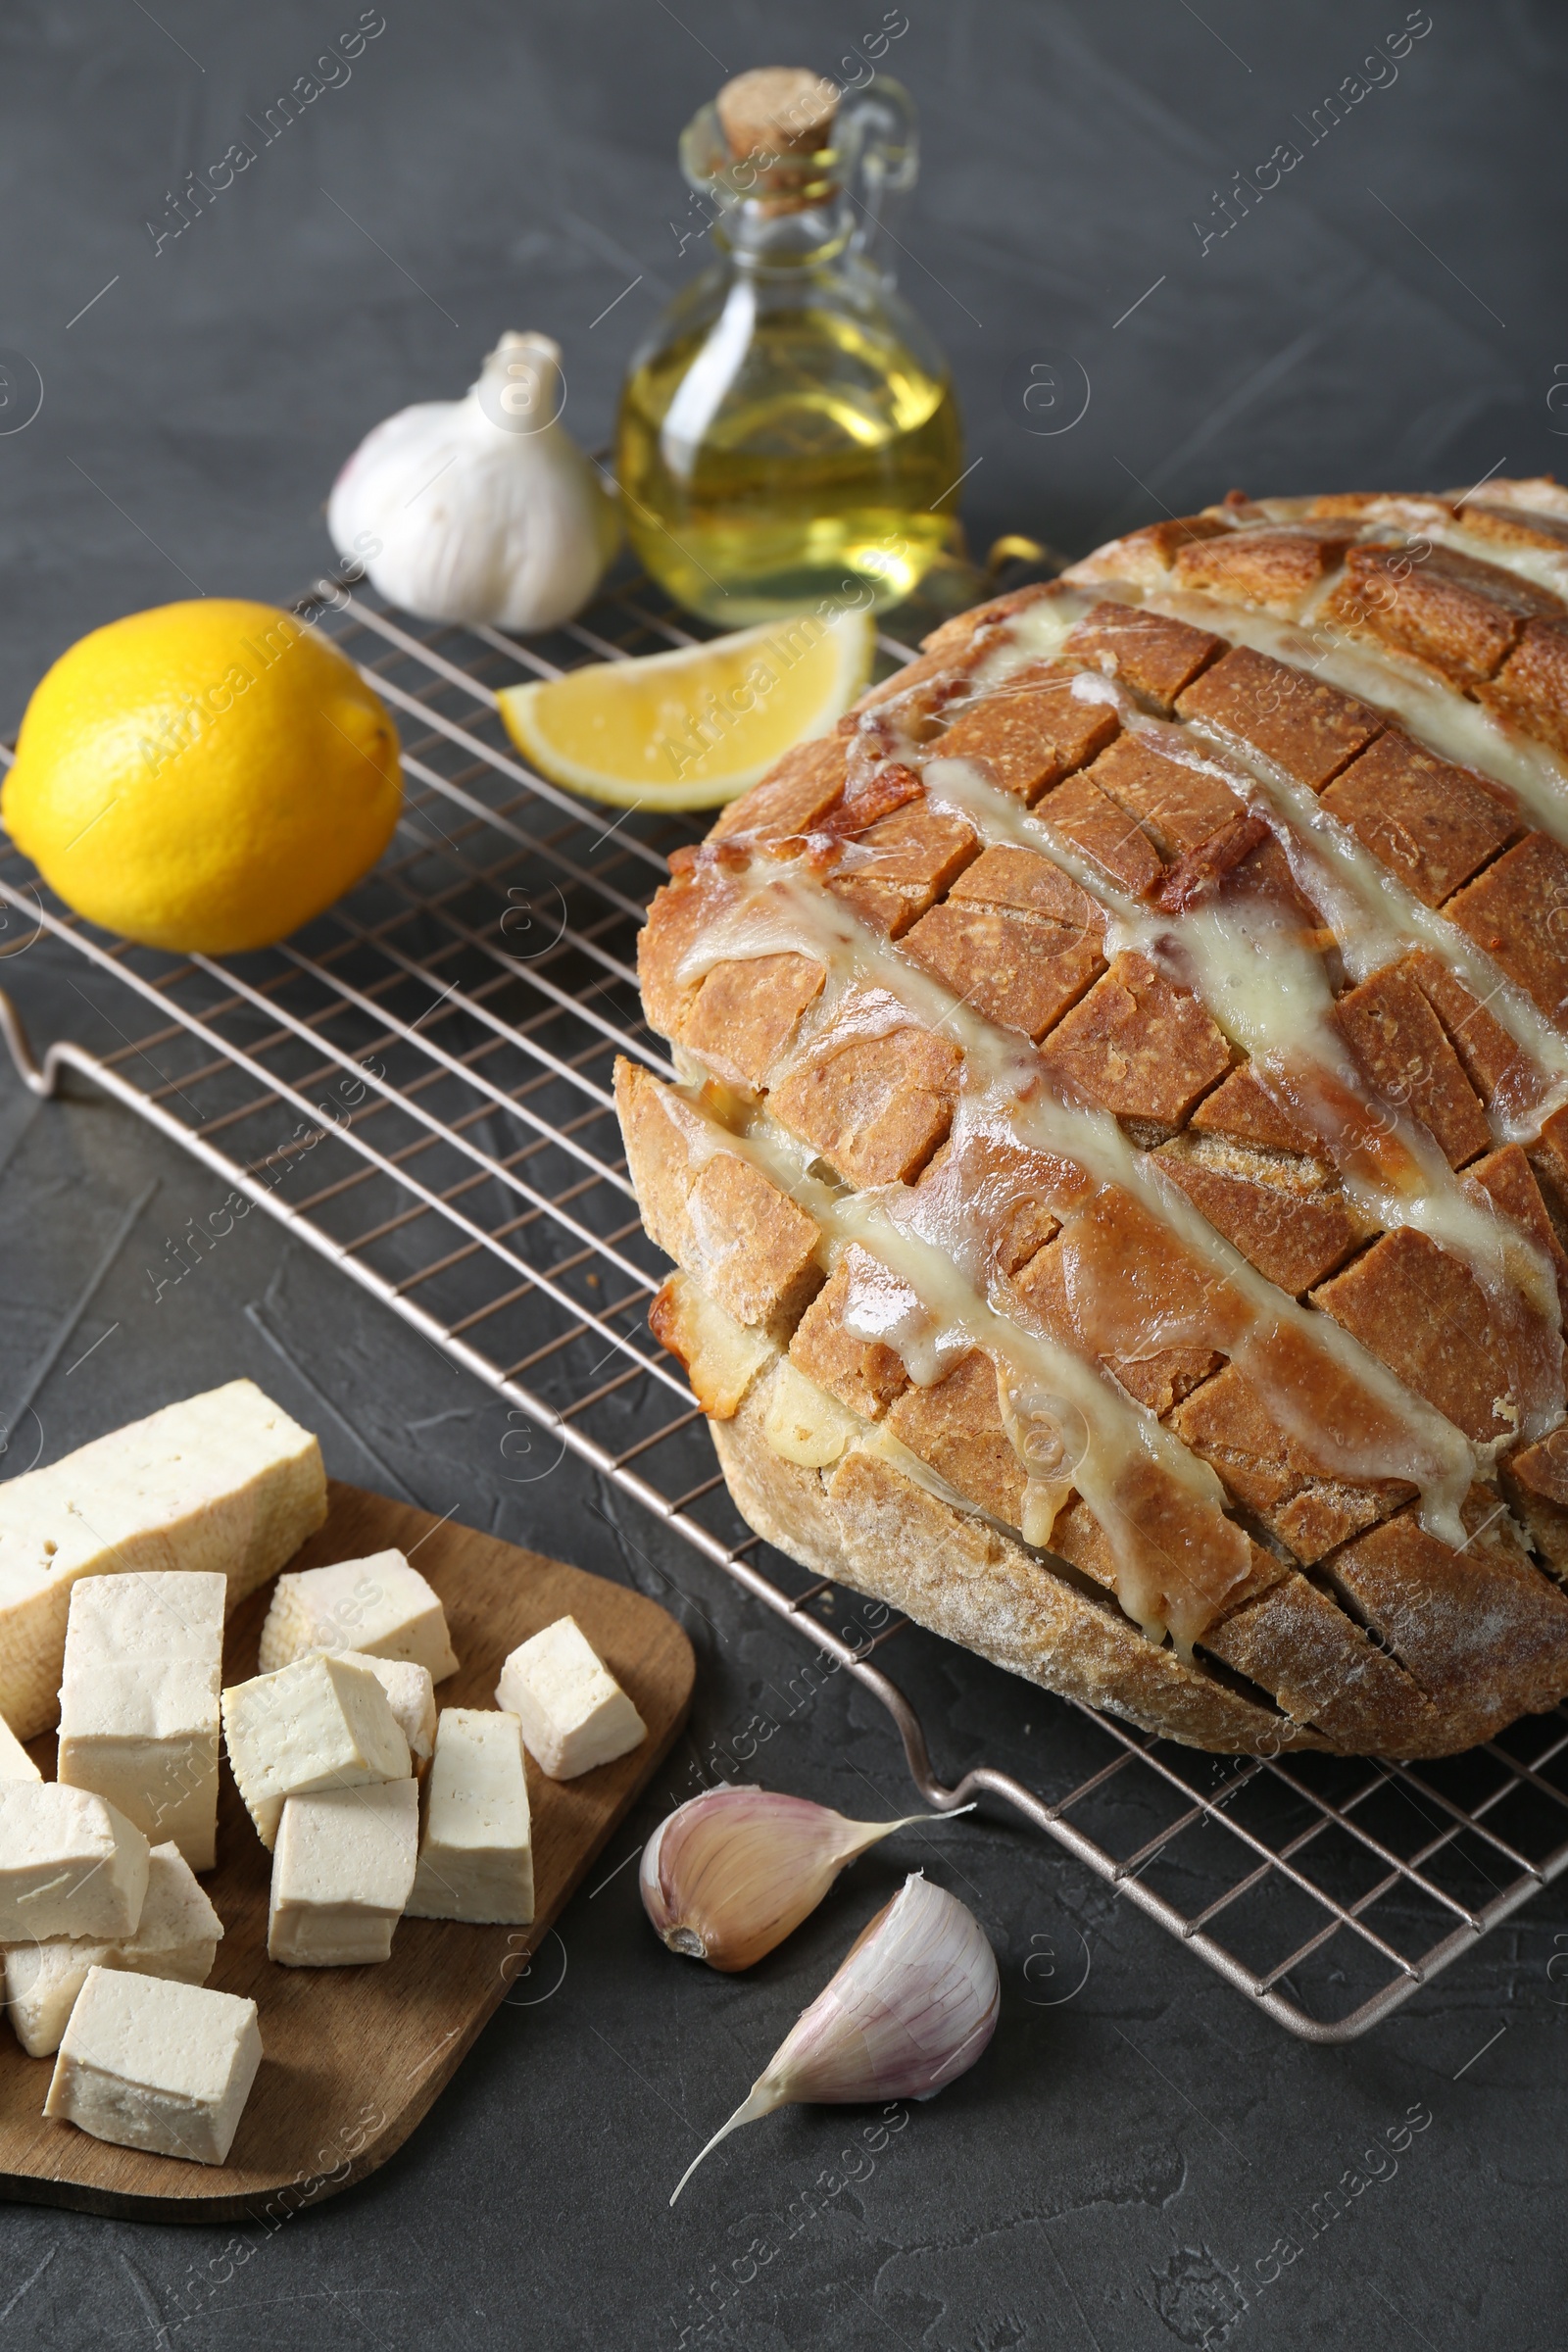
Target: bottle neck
[(760, 234)]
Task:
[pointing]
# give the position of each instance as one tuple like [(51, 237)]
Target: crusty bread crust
[(1167, 711), (868, 1525)]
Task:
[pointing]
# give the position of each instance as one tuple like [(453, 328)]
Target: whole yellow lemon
[(206, 776)]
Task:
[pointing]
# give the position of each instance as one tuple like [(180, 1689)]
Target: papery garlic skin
[(911, 2008), (482, 508), (731, 1872)]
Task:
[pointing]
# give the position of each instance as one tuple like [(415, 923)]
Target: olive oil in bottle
[(788, 433)]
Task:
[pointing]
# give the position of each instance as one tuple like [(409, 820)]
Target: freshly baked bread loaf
[(1119, 1170)]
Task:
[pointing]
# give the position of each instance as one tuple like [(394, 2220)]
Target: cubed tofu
[(225, 1482), (477, 1854), (379, 1605), (574, 1712), (15, 1762), (177, 1935), (410, 1695), (342, 1872), (138, 1702), (317, 1723), (70, 1864), (150, 2063)]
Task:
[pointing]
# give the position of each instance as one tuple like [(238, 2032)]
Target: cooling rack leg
[(40, 1081)]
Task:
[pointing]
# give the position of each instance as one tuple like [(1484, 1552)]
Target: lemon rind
[(857, 647)]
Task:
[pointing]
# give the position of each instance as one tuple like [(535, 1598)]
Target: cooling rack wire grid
[(419, 1087)]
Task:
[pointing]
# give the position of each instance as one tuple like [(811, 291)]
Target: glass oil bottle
[(788, 433)]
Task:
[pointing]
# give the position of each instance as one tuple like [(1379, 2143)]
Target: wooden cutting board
[(354, 2056)]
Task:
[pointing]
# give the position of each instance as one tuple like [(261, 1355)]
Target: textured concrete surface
[(1142, 2161)]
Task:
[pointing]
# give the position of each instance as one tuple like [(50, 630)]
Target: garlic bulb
[(482, 508), (730, 1874), (911, 2008)]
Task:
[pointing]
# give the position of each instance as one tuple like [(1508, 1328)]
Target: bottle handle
[(879, 146)]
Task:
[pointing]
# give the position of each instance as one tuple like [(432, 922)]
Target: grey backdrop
[(1389, 314)]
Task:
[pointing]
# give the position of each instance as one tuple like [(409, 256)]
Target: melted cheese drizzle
[(1265, 1332), (1374, 916), (1072, 1425), (1270, 996), (1436, 713), (1413, 519)]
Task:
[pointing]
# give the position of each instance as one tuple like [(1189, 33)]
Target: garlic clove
[(731, 1872), (911, 2007), (482, 508)]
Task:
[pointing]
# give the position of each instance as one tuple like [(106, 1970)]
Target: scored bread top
[(1125, 1106)]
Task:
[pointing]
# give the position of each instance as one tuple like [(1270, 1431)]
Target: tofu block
[(574, 1712), (70, 1864), (15, 1762), (149, 2063), (410, 1695), (177, 1935), (225, 1483), (139, 1701), (317, 1723), (477, 1854), (342, 1872), (380, 1607)]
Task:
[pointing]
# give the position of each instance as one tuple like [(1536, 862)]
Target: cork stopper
[(776, 111)]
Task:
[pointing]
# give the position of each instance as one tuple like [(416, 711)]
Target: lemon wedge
[(695, 727)]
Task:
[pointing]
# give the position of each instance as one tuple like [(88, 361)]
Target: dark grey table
[(1127, 2164)]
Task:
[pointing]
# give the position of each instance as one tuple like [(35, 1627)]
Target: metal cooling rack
[(419, 1087)]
